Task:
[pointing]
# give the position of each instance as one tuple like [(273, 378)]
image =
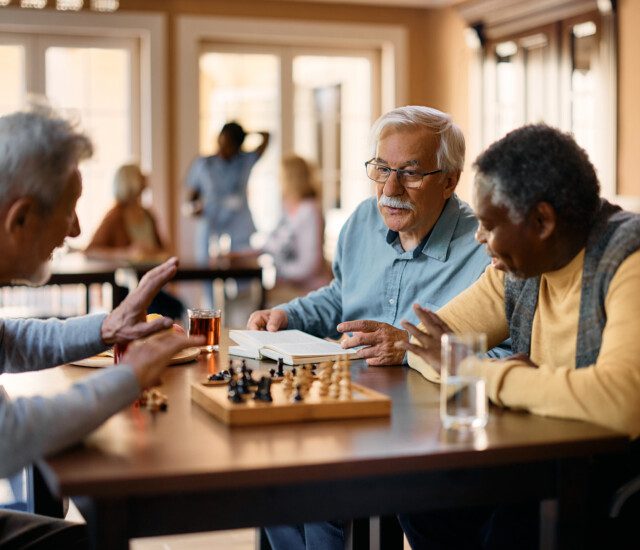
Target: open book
[(293, 346)]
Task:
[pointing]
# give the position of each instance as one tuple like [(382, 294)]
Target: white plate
[(99, 361)]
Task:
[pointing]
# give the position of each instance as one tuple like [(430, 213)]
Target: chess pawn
[(324, 388), (287, 382)]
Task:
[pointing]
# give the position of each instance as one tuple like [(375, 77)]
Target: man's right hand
[(149, 358), (268, 319)]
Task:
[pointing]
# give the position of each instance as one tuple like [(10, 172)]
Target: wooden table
[(183, 471)]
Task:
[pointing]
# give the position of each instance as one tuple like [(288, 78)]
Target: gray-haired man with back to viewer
[(39, 186), (412, 242)]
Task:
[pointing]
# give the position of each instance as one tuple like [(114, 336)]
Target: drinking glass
[(206, 322), (463, 396)]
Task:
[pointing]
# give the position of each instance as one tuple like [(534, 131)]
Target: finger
[(367, 353), (361, 325), (430, 318), (276, 320), (422, 337), (154, 280), (359, 339), (143, 329), (424, 353)]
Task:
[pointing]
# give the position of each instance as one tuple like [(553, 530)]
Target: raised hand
[(428, 337), (128, 321)]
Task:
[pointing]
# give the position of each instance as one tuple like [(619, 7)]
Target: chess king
[(412, 242)]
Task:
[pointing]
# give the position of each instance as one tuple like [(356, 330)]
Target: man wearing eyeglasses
[(413, 242)]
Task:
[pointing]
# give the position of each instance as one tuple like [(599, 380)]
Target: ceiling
[(392, 3)]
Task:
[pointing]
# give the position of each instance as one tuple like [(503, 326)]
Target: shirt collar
[(436, 243)]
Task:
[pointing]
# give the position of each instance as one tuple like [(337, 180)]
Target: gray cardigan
[(32, 427)]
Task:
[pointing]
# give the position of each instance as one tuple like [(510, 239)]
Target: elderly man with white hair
[(413, 241), (39, 186)]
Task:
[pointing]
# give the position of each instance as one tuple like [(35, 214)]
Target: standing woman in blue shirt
[(218, 190)]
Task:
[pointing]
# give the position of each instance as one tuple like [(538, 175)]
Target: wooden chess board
[(364, 402)]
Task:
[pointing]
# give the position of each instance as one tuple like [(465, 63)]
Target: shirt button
[(392, 301)]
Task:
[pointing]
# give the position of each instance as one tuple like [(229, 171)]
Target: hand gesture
[(380, 339), (268, 319), (429, 337), (128, 321), (148, 358)]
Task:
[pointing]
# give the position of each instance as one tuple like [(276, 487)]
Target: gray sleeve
[(320, 311), (33, 427), (32, 344)]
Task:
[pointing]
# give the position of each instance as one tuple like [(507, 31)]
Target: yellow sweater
[(606, 393)]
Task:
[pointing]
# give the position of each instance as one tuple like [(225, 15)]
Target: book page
[(322, 347), (260, 338)]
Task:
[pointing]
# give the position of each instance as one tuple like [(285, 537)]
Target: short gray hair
[(450, 154), (38, 152)]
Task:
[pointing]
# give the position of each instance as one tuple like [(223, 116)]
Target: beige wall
[(436, 53), (629, 98)]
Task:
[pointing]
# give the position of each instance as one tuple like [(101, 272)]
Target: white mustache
[(394, 202)]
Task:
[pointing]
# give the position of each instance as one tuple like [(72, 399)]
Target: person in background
[(39, 187), (296, 244), (218, 190), (129, 232), (217, 187)]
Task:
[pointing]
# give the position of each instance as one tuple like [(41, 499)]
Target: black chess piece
[(298, 396), (249, 380), (272, 372), (294, 371), (243, 386), (281, 367), (217, 377), (263, 393), (233, 393), (314, 366)]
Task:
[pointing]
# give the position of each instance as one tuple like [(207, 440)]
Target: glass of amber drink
[(206, 322)]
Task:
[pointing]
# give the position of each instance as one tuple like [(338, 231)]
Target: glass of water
[(463, 396)]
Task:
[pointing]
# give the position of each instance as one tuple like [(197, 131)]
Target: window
[(327, 120), (561, 73)]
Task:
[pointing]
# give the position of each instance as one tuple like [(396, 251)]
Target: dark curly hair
[(235, 132), (537, 163)]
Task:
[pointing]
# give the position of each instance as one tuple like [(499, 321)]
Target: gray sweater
[(32, 427)]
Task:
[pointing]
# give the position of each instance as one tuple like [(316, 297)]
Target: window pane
[(245, 88), (332, 114), (584, 52), (76, 83), (12, 69), (507, 96)]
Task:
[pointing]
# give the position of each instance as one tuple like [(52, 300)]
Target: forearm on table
[(33, 344)]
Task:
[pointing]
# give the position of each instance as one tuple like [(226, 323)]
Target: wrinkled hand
[(434, 327), (268, 319), (148, 358), (380, 339), (128, 321)]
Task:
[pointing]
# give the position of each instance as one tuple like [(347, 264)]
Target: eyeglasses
[(410, 179)]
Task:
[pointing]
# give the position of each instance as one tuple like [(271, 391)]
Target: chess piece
[(298, 396), (263, 393), (287, 382), (280, 367), (233, 392), (272, 372)]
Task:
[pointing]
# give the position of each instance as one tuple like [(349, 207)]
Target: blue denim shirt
[(375, 279)]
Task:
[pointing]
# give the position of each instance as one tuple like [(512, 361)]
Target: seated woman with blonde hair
[(297, 241), (129, 232)]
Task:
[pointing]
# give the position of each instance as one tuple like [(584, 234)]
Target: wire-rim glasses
[(410, 179)]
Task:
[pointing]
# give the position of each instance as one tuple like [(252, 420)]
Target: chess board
[(364, 402)]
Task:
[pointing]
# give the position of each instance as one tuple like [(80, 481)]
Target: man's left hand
[(380, 339), (128, 321)]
